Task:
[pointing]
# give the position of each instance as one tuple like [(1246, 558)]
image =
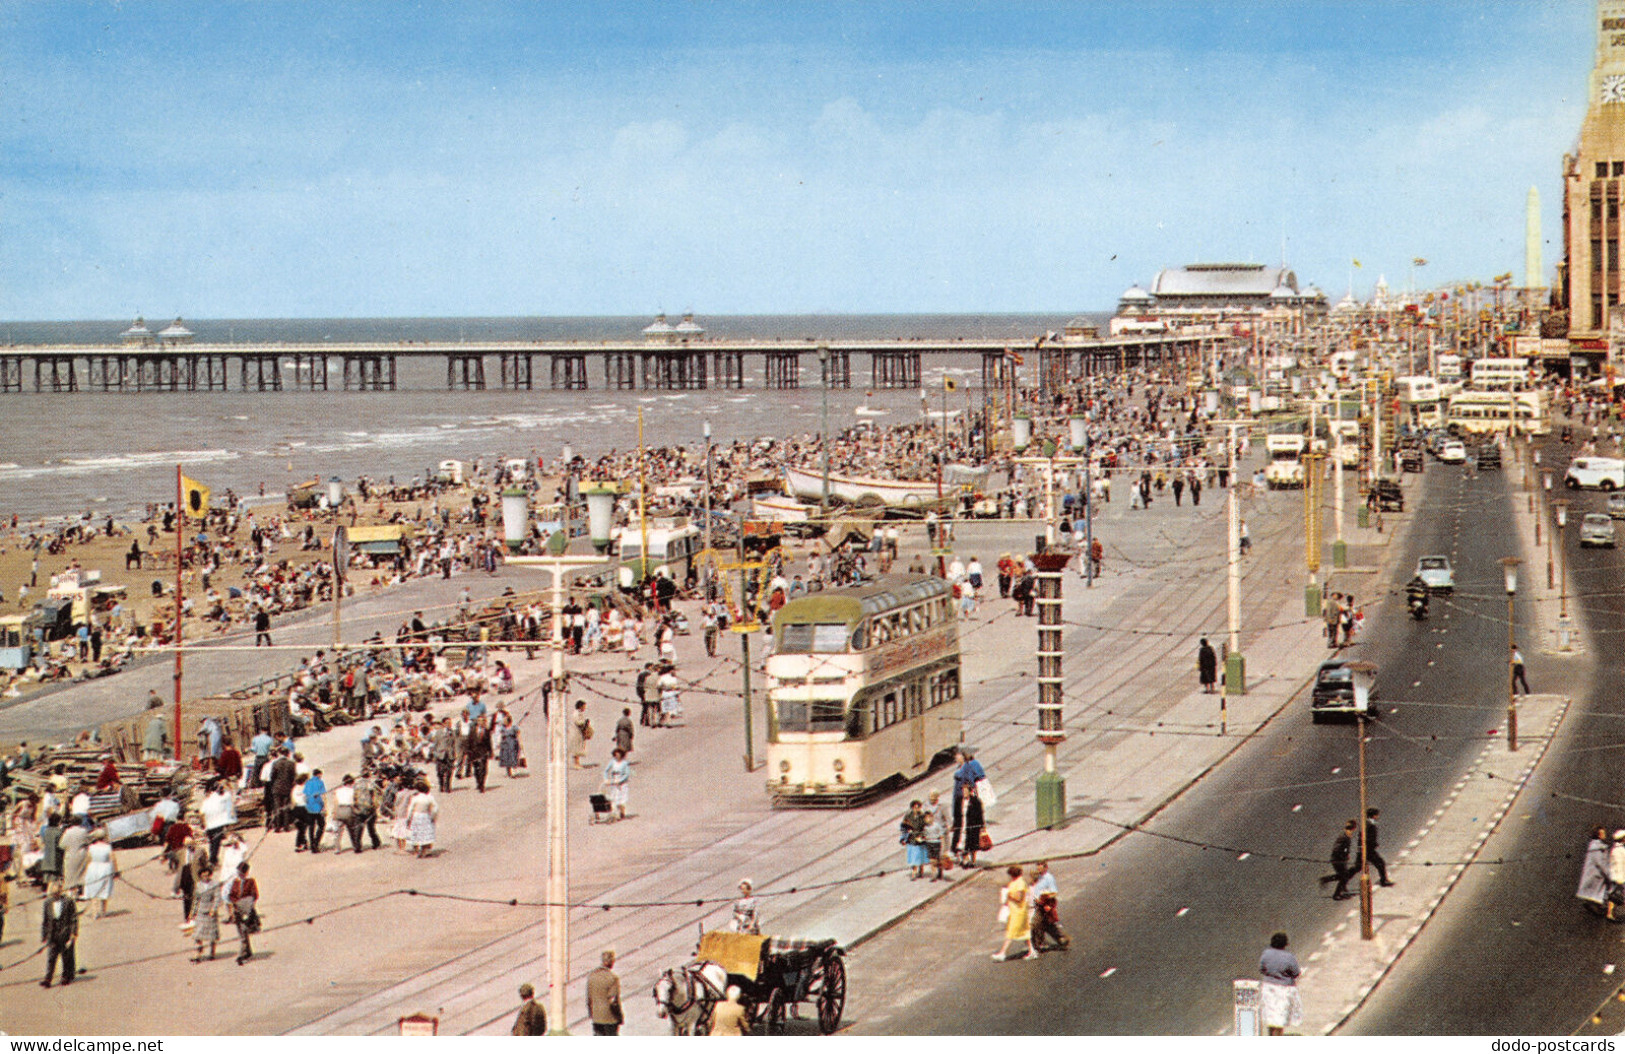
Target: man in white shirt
[(219, 812)]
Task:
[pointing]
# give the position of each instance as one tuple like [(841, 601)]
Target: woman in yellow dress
[(1013, 910)]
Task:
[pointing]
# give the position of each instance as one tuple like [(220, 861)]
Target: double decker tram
[(864, 691)]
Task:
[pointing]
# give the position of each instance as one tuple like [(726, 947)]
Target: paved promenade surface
[(348, 950)]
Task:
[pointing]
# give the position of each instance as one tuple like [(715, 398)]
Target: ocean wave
[(156, 457)]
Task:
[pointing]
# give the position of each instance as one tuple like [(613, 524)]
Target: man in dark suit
[(283, 775), (1372, 856), (59, 931)]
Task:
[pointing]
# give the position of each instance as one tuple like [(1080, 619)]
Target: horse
[(687, 994)]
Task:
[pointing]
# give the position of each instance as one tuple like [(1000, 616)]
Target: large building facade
[(1219, 294), (1590, 277)]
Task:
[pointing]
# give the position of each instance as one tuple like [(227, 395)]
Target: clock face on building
[(1613, 88)]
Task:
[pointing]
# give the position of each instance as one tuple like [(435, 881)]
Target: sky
[(290, 159)]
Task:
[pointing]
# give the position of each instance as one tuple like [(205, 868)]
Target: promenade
[(459, 949)]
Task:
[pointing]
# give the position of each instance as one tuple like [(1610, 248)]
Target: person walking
[(965, 776), (531, 1019), (1246, 541), (100, 872), (580, 732), (59, 932), (1374, 858), (1207, 666), (1044, 899), (1280, 1004), (1518, 677), (313, 817), (367, 800), (443, 749), (617, 773), (262, 628), (1342, 869), (624, 730), (604, 997), (1331, 611), (911, 832), (1594, 882), (936, 825), (1015, 916), (745, 911), (974, 826), (242, 898), (648, 695), (479, 751), (420, 820), (508, 753)]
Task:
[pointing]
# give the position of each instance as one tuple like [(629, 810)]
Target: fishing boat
[(861, 490), (779, 509)]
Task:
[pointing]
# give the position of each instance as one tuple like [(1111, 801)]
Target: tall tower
[(1533, 276), (1594, 187)]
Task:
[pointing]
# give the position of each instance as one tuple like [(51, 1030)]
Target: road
[(1538, 962), (1164, 921)]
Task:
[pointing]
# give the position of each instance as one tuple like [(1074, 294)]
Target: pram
[(601, 808)]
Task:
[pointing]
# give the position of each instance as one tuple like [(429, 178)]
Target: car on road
[(1437, 573), (1616, 506), (1410, 459), (1489, 456), (1604, 473), (1454, 452), (1597, 529), (1386, 496), (1333, 694)]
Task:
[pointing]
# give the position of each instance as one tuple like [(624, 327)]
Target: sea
[(110, 454)]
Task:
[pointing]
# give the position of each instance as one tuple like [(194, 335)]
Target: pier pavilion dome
[(1135, 298), (688, 329), (659, 331), (1209, 294), (137, 333), (175, 333)]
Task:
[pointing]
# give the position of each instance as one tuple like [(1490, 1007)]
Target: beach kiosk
[(16, 642), (388, 540)]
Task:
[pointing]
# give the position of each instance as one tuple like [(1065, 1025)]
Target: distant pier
[(569, 365)]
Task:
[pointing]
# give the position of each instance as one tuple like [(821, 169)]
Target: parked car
[(1453, 452), (1334, 693), (1437, 573), (1489, 456), (1616, 506), (1386, 496), (1605, 473), (1597, 529)]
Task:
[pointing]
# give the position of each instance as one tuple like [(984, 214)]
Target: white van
[(1604, 473)]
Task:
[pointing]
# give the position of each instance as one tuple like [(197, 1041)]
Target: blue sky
[(345, 159)]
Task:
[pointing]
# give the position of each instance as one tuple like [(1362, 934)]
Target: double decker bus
[(864, 690)]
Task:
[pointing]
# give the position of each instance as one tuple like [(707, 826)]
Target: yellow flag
[(1356, 263), (949, 384), (194, 498)]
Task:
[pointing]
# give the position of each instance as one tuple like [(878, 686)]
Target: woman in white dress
[(100, 871), (614, 630), (422, 814), (401, 829), (616, 775), (631, 640)]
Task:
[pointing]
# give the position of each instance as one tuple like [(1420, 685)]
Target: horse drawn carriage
[(773, 974)]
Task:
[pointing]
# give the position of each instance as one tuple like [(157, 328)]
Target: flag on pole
[(1418, 262), (949, 384), (194, 498), (1356, 263)]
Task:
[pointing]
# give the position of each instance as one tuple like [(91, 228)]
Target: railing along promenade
[(623, 365)]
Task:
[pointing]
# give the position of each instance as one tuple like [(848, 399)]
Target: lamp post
[(1546, 483), (1564, 633), (1509, 568), (558, 843), (1050, 802), (823, 432), (1235, 666), (710, 561)]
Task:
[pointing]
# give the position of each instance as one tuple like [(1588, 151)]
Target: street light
[(558, 857), (711, 560), (1546, 484), (1509, 569), (823, 431), (1563, 631)]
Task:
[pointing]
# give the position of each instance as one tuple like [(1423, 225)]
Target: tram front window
[(821, 715), (822, 638)]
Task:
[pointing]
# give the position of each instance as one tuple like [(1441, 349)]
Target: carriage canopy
[(737, 953)]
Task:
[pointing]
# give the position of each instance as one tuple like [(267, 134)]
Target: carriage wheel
[(832, 995), (773, 1013)]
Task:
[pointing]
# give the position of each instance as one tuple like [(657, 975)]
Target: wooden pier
[(626, 365)]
